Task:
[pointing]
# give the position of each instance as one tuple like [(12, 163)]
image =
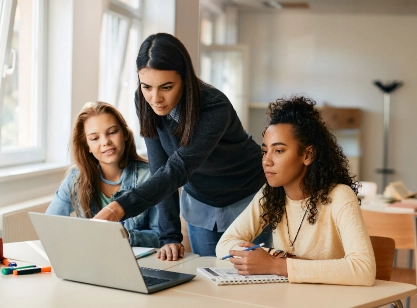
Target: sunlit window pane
[(19, 116), (113, 40), (206, 31), (119, 45), (129, 84)]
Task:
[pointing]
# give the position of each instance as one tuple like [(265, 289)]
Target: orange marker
[(6, 262), (32, 270)]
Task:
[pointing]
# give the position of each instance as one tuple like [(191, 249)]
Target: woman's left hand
[(112, 212), (257, 262)]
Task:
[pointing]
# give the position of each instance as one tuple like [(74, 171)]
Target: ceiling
[(402, 7)]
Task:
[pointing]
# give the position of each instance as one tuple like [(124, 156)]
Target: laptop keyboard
[(151, 281)]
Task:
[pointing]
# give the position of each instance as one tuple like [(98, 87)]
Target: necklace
[(299, 227), (107, 190), (107, 182), (110, 182)]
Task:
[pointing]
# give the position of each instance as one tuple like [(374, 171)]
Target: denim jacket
[(143, 228)]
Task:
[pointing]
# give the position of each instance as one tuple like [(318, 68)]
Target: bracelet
[(284, 256), (287, 255), (277, 252), (114, 213)]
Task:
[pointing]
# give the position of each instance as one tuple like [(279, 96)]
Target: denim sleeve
[(61, 203), (143, 229)]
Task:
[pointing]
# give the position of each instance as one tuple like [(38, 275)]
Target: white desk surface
[(46, 290), (33, 252), (291, 294)]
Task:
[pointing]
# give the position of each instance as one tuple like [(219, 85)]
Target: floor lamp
[(387, 89)]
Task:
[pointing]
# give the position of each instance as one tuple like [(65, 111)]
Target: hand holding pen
[(246, 249)]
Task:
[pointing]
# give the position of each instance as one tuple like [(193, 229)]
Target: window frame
[(134, 19), (7, 14), (35, 154)]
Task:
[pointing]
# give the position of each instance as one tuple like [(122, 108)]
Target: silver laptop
[(97, 252)]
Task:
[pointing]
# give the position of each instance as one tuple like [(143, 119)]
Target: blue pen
[(145, 254), (246, 249)]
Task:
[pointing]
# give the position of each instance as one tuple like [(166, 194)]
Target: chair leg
[(407, 302), (397, 304), (410, 258)]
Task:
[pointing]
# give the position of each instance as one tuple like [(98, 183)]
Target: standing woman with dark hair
[(196, 141)]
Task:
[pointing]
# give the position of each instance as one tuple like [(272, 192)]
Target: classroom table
[(381, 204), (46, 290)]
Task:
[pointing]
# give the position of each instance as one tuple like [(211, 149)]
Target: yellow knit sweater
[(337, 245)]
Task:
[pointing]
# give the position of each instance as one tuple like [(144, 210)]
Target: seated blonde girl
[(106, 167)]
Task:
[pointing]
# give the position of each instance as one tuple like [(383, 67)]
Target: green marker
[(9, 270)]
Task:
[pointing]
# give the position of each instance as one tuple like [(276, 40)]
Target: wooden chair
[(402, 229), (384, 249)]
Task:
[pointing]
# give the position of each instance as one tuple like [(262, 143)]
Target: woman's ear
[(309, 155)]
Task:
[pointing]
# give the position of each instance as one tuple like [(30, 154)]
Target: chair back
[(398, 226), (384, 249), (402, 229)]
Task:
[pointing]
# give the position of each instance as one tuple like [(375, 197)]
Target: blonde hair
[(86, 186)]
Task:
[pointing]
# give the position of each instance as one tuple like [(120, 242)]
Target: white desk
[(32, 252), (46, 290), (291, 294)]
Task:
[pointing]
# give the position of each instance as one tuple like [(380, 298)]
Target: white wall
[(334, 59), (187, 27)]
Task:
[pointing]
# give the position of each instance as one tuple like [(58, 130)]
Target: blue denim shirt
[(143, 229)]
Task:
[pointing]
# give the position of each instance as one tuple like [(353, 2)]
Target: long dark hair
[(329, 167), (87, 185), (163, 51)]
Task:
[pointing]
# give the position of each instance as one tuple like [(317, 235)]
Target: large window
[(120, 41), (21, 81)]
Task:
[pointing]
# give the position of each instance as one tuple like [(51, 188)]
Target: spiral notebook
[(228, 275)]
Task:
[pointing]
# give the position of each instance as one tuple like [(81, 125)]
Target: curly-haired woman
[(310, 201)]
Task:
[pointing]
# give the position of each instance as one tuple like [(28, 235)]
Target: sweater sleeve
[(245, 228), (358, 265)]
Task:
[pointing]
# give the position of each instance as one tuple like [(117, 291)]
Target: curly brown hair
[(329, 167)]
